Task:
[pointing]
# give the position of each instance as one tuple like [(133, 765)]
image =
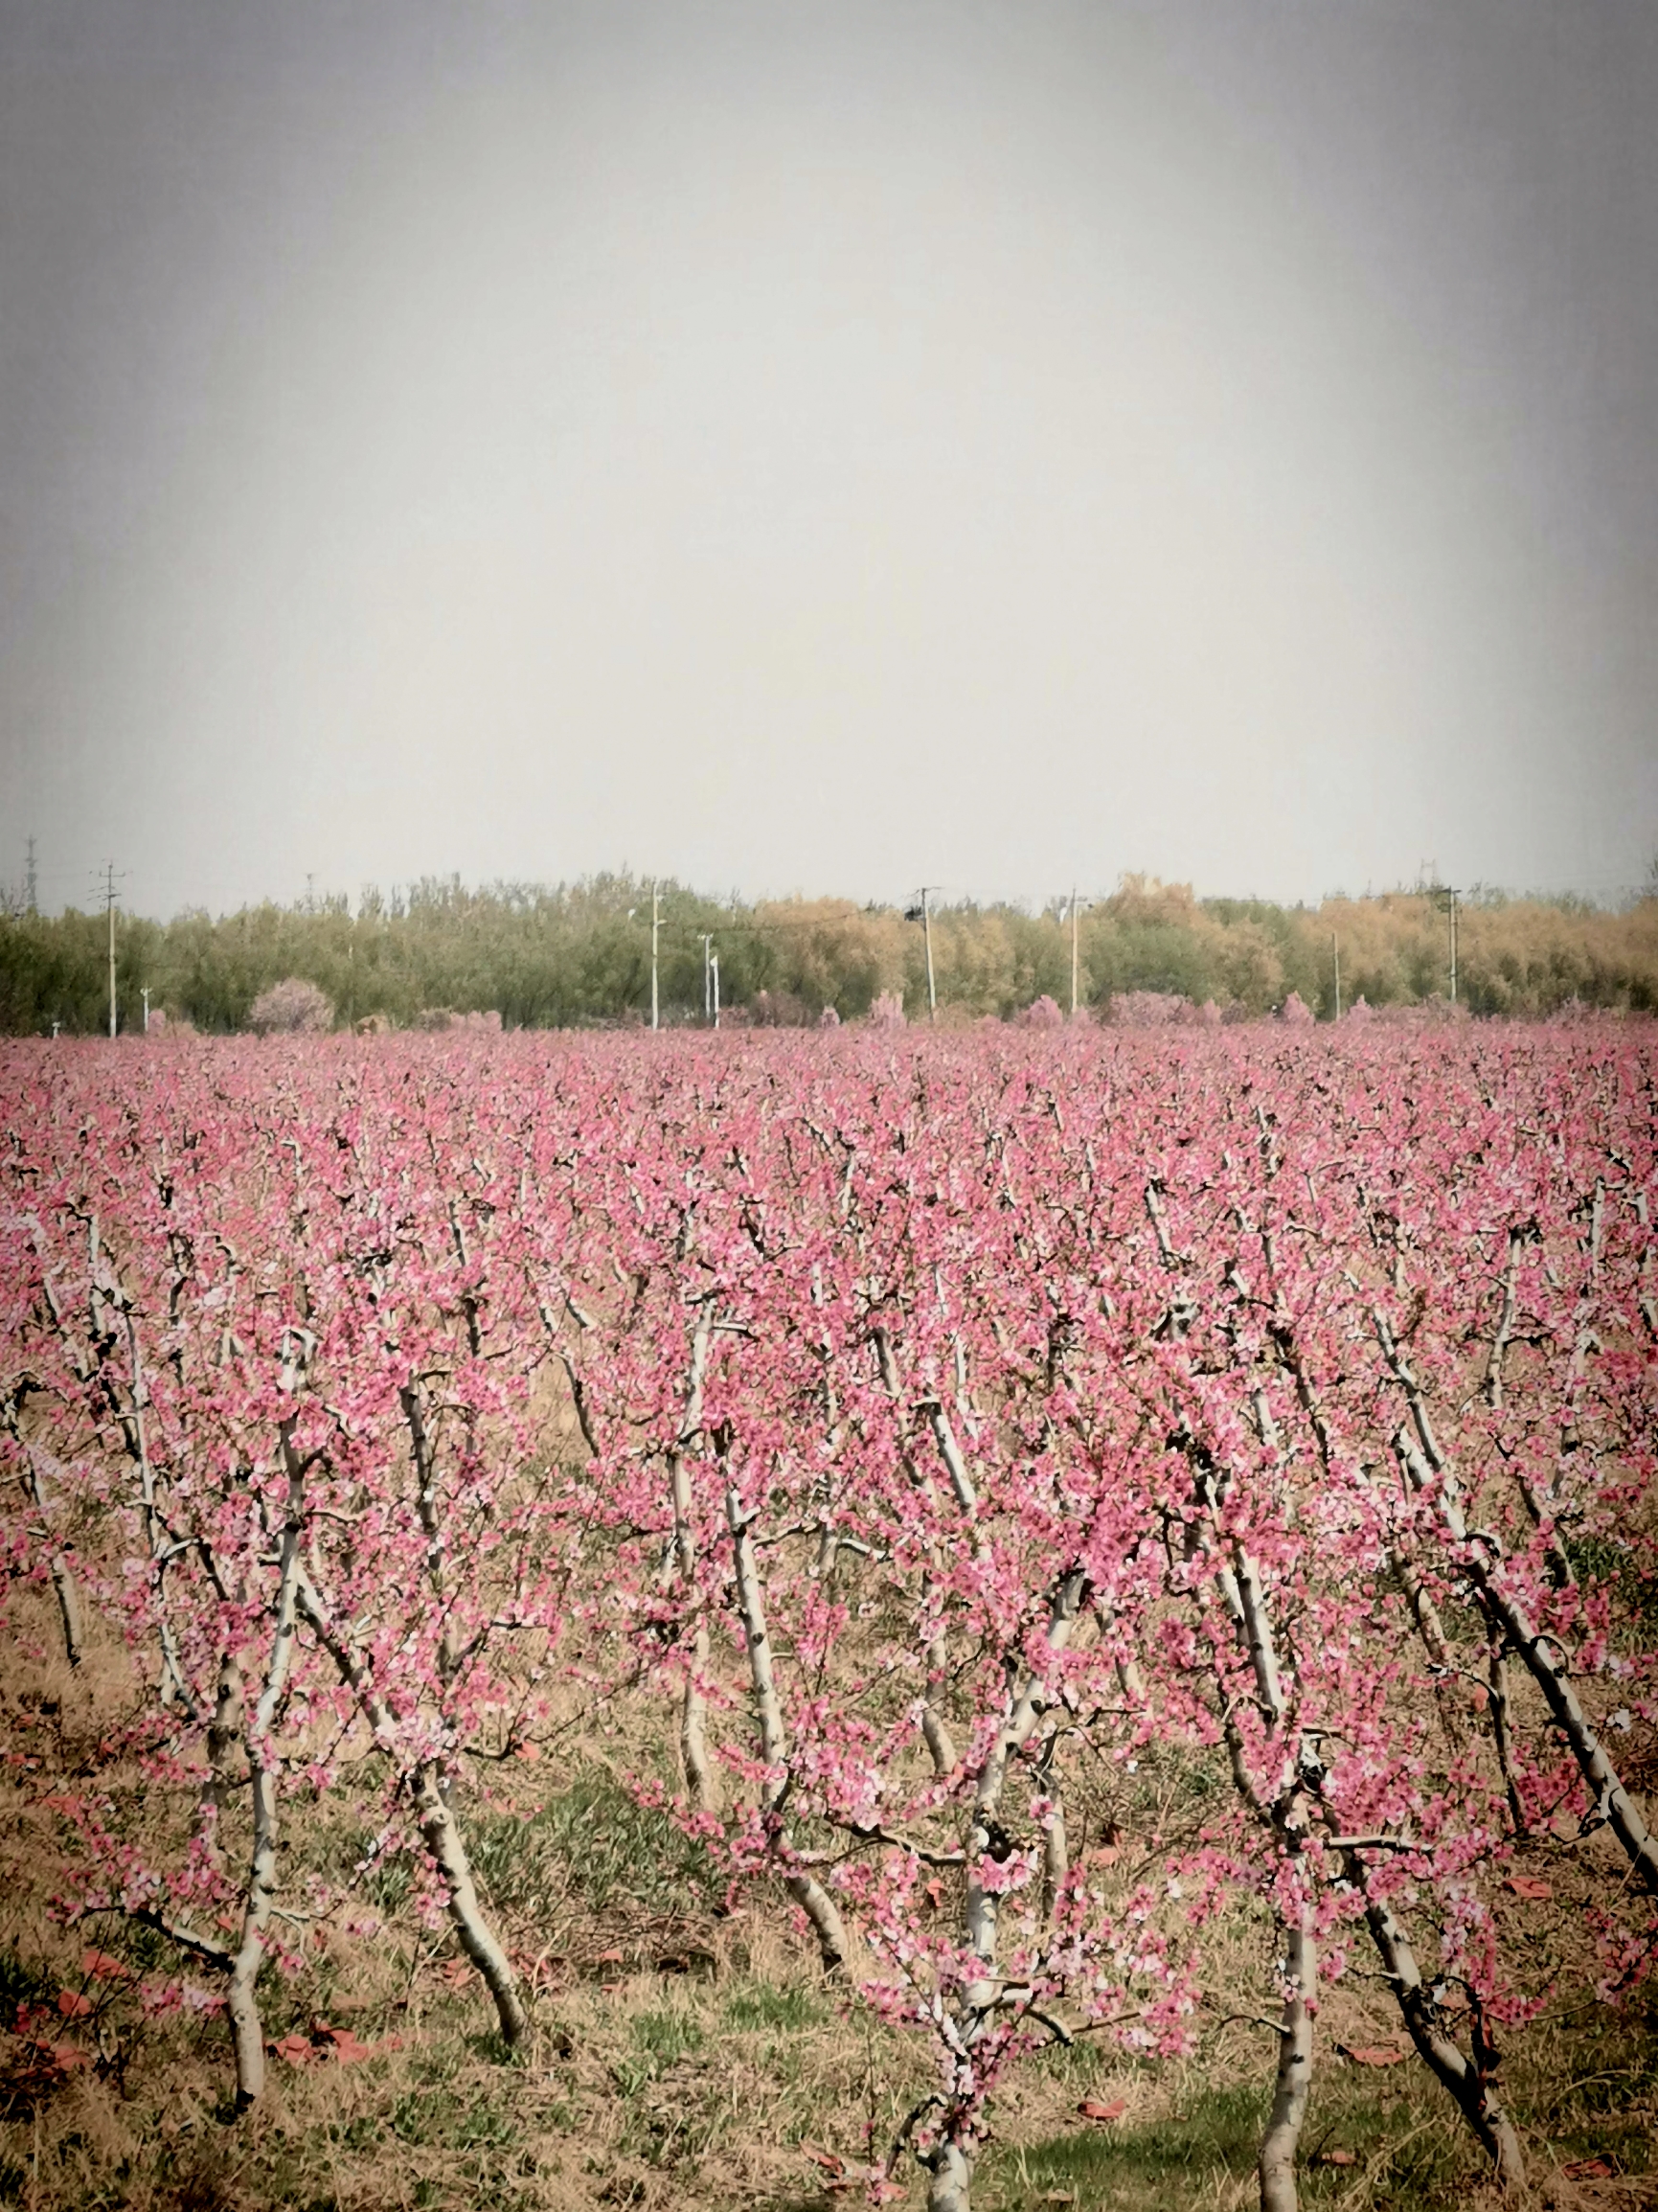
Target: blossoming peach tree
[(925, 1428)]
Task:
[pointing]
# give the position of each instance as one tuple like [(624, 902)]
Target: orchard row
[(929, 1430)]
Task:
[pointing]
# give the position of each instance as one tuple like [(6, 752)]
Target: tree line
[(578, 954)]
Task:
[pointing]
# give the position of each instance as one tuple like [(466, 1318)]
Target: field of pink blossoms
[(1086, 1572)]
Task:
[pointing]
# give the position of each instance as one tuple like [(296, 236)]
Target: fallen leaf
[(72, 2005), (826, 2159), (1527, 1885), (297, 2050), (1589, 2170), (1337, 2158), (1091, 2109), (103, 1968), (1374, 2054), (456, 1973)]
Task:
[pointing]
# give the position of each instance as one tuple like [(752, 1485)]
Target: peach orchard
[(919, 1430)]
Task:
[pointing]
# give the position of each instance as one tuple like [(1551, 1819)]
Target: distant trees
[(579, 955)]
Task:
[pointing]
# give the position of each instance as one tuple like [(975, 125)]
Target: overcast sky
[(827, 445)]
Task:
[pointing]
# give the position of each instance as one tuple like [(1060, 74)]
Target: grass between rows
[(685, 2053)]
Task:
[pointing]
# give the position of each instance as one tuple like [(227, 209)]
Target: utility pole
[(1074, 949), (30, 886), (1335, 950), (714, 958), (1448, 892), (707, 975), (145, 994), (924, 916), (655, 925), (109, 902)]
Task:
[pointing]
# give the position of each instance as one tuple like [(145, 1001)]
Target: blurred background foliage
[(578, 954)]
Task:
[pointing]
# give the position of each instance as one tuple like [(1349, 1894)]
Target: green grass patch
[(594, 1843), (452, 2118), (764, 2005), (1593, 2094), (1204, 2153)]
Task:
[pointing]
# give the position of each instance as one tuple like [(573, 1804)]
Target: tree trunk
[(443, 1839), (222, 1738), (699, 1778), (68, 1607), (935, 1729), (808, 1893), (950, 2182), (1276, 2164), (246, 2030), (439, 1829), (1023, 1710), (1473, 2092), (1531, 1646), (63, 1576)]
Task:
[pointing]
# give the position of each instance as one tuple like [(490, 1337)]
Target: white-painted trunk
[(950, 2179), (222, 1738), (935, 1729), (63, 1588), (809, 1894), (442, 1837), (699, 1777), (1055, 1854), (440, 1830), (1276, 2165), (1474, 2094), (1533, 1649), (246, 2030), (1023, 1709)]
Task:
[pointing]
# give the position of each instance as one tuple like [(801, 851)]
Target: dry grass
[(684, 2053)]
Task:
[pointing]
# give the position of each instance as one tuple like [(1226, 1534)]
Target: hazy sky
[(828, 445)]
